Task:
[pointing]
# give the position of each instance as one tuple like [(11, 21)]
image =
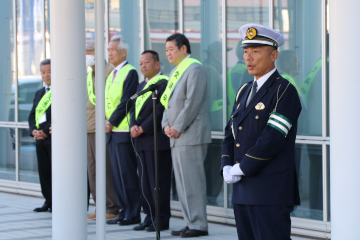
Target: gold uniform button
[(257, 117), (238, 145), (240, 128)]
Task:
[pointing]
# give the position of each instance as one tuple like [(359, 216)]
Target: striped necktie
[(253, 92), (114, 75)]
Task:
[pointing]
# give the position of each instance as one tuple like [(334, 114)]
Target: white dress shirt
[(260, 82)]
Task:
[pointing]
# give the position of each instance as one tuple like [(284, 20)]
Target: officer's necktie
[(47, 89), (114, 75), (253, 92)]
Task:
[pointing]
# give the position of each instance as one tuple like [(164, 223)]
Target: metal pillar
[(100, 122), (345, 135), (69, 166)]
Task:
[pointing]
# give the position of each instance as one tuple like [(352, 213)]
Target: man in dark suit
[(142, 129), (258, 155), (39, 124), (121, 84)]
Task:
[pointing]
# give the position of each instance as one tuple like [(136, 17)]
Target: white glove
[(228, 177), (236, 170)]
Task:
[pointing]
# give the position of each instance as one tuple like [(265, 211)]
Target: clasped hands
[(232, 174), (171, 132), (108, 126), (39, 134), (136, 131)]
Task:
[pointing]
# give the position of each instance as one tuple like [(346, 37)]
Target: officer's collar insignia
[(251, 33), (260, 106)]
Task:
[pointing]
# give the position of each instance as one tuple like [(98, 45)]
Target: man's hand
[(167, 131), (42, 134), (228, 177), (134, 131), (108, 127), (37, 135), (236, 170), (140, 131), (174, 133), (50, 129)]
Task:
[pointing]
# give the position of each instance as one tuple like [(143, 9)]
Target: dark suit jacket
[(145, 142), (45, 125), (266, 156), (130, 84)]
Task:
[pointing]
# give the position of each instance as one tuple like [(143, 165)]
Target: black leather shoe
[(151, 228), (115, 220), (44, 208), (142, 226), (193, 233), (177, 233), (126, 221)]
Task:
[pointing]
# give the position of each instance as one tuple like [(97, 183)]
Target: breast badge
[(260, 106)]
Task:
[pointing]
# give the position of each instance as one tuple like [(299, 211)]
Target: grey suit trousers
[(188, 163), (111, 205)]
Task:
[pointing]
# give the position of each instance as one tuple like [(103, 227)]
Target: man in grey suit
[(186, 122)]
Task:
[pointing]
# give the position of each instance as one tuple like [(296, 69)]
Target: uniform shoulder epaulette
[(242, 87)]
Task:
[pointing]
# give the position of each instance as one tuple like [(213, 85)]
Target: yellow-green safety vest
[(142, 99), (42, 106), (113, 94), (184, 65), (305, 85), (292, 81), (231, 94), (90, 87)]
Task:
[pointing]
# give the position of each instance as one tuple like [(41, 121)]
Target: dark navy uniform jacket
[(145, 142), (42, 126), (265, 154)]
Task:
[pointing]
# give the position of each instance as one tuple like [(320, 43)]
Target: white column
[(69, 166), (100, 122), (344, 116)]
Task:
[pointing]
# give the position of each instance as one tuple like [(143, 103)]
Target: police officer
[(258, 149)]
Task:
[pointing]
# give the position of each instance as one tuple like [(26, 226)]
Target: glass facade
[(212, 28)]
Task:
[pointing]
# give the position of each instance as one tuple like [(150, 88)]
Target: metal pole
[(100, 122), (69, 170), (344, 95), (157, 189)]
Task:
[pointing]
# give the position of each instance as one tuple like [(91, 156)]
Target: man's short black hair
[(45, 62), (154, 55), (180, 40)]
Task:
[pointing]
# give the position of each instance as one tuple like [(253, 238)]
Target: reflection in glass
[(7, 153), (161, 20), (124, 20), (28, 168), (240, 13), (30, 34), (301, 61), (214, 181), (202, 24), (309, 168), (7, 60)]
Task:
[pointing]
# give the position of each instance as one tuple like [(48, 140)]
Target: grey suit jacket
[(187, 109)]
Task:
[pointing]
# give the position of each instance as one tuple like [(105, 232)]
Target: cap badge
[(260, 106), (251, 33)]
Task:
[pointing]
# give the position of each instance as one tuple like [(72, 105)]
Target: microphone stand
[(157, 189)]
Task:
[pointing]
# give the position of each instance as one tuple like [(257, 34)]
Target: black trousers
[(263, 222), (43, 152), (146, 170)]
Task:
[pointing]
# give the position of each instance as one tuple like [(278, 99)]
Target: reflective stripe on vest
[(292, 81), (305, 85), (42, 106), (175, 78), (142, 99), (113, 94), (90, 87)]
